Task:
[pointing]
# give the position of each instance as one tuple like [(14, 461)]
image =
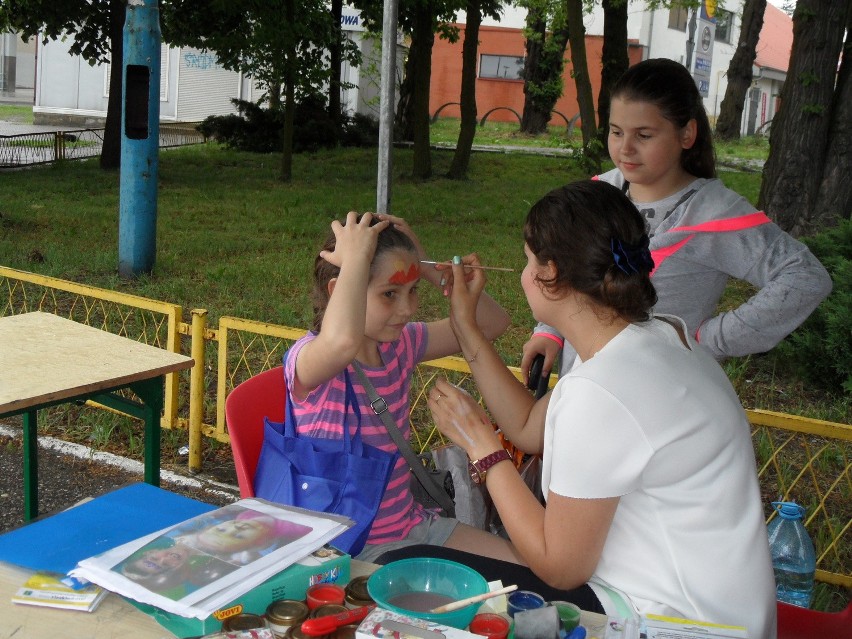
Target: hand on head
[(356, 239), (459, 417)]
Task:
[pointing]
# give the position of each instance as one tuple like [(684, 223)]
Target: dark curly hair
[(575, 227), (389, 239)]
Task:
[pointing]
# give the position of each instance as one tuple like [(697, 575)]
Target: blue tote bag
[(340, 476)]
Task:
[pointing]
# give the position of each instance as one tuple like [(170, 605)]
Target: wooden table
[(47, 360)]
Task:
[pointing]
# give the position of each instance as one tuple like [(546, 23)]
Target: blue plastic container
[(793, 556), (408, 577)]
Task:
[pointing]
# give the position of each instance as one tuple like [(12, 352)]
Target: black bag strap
[(380, 407)]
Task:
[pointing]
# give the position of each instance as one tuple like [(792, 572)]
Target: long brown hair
[(668, 85)]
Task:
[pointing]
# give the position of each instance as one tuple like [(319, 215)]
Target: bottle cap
[(245, 621), (286, 612), (788, 509)]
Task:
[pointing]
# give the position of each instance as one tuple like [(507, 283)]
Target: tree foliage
[(274, 42), (97, 29)]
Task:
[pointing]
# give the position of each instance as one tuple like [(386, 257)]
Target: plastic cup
[(523, 600), (489, 624), (569, 614)]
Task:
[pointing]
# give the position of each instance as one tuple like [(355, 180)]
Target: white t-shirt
[(660, 426)]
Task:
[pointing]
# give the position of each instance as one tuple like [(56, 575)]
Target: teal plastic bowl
[(433, 579)]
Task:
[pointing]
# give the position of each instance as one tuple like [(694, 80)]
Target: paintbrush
[(484, 268), (461, 603)]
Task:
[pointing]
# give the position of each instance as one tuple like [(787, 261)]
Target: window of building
[(505, 67), (724, 25), (678, 17)]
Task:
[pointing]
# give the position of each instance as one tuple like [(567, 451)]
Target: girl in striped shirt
[(366, 279)]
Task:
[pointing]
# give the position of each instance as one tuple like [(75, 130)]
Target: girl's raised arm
[(345, 316)]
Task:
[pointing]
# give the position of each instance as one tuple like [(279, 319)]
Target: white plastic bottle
[(793, 556)]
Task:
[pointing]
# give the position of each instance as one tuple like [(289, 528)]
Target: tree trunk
[(335, 62), (834, 200), (290, 63), (543, 80), (111, 149), (614, 60), (532, 120), (404, 120), (798, 139), (424, 33), (467, 130), (729, 123), (273, 95), (577, 36)]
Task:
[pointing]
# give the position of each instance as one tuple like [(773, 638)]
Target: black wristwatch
[(479, 467)]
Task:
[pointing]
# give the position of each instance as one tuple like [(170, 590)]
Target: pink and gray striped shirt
[(321, 415)]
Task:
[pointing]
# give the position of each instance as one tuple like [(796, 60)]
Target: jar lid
[(286, 612), (357, 593), (326, 610), (244, 621)]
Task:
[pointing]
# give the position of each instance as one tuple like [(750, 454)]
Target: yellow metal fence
[(805, 460)]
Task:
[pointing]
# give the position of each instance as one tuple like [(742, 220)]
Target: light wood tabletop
[(46, 358)]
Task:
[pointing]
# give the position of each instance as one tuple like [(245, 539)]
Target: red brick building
[(500, 58)]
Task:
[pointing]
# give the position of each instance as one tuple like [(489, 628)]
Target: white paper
[(195, 567)]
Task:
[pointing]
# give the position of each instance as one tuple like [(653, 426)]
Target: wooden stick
[(484, 268), (461, 603)]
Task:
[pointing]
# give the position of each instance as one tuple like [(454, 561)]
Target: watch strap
[(482, 464)]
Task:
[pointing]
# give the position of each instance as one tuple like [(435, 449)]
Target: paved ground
[(69, 473)]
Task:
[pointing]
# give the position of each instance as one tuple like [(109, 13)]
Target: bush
[(820, 350), (255, 129), (360, 130), (258, 130)]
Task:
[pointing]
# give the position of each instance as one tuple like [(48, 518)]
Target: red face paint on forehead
[(401, 276)]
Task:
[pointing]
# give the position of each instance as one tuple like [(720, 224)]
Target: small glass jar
[(320, 594), (245, 621), (345, 632), (295, 632), (327, 610), (283, 614), (357, 594)]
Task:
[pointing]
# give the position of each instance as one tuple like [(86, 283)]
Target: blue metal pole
[(140, 135)]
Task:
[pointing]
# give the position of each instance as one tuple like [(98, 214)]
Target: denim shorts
[(434, 531)]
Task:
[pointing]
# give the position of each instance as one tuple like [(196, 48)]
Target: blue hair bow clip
[(632, 259)]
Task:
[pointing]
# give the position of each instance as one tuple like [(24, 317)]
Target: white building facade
[(68, 90)]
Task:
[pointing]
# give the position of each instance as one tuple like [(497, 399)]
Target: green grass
[(235, 240), (16, 114)]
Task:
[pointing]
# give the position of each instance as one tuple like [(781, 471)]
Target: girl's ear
[(688, 134), (331, 284)]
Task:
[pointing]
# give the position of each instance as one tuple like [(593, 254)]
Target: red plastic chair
[(802, 623), (245, 407)]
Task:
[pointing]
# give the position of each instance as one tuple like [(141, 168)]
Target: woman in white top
[(649, 475)]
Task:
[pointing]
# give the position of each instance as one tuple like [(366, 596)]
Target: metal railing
[(28, 149)]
